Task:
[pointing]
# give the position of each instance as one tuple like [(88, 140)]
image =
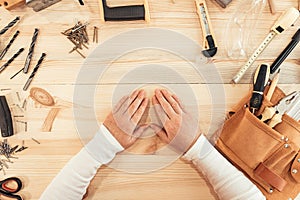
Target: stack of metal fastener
[(7, 152), (78, 36)]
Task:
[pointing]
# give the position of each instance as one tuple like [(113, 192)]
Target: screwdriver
[(286, 20), (260, 80), (286, 52)]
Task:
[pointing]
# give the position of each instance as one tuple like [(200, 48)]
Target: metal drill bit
[(11, 59), (34, 71), (11, 24), (31, 49), (9, 44), (17, 73)]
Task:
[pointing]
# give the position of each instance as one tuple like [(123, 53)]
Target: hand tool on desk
[(209, 43), (275, 113), (10, 186), (223, 3), (260, 80), (27, 84), (6, 124), (37, 5), (3, 67), (286, 52), (11, 24), (31, 49), (273, 86), (286, 20), (124, 13), (8, 45)]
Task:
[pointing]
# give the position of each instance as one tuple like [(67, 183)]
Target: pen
[(284, 54), (34, 71)]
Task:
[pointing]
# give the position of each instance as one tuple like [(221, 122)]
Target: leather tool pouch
[(269, 157)]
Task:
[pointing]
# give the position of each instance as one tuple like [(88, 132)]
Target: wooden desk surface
[(39, 164)]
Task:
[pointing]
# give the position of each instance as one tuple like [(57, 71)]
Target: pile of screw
[(78, 36), (7, 151)]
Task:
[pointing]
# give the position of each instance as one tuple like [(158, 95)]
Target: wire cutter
[(275, 113), (10, 186)]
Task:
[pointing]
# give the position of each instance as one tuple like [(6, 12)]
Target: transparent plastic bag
[(241, 28)]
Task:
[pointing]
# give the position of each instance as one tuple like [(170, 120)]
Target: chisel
[(260, 80), (286, 20)]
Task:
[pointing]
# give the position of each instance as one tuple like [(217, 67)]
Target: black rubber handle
[(6, 123), (123, 13)]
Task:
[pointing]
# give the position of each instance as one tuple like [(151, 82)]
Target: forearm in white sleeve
[(228, 182), (72, 181)]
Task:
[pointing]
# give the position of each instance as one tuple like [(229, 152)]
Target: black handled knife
[(260, 80)]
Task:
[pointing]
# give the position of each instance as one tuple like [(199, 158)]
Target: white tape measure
[(286, 20)]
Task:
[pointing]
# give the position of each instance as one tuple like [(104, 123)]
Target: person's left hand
[(123, 121), (180, 128)]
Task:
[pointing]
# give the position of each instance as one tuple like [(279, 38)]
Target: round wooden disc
[(41, 96)]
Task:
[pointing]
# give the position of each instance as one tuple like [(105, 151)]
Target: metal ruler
[(39, 5), (286, 20)]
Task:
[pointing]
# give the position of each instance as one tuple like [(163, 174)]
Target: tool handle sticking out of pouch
[(260, 80), (275, 113)]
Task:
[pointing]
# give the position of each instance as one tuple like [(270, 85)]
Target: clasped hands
[(178, 127)]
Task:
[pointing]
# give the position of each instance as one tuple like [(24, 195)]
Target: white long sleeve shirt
[(73, 180)]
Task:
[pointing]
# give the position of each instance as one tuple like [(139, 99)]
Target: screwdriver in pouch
[(260, 80)]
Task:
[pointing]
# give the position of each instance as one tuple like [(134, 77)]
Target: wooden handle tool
[(10, 4)]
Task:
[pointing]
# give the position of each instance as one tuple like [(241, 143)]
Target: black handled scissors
[(10, 186)]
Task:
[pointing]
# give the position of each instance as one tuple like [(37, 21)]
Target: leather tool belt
[(270, 157)]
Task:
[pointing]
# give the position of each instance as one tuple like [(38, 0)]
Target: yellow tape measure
[(286, 20)]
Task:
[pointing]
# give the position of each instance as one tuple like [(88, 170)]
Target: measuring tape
[(286, 20)]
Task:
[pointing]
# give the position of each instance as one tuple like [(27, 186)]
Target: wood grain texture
[(39, 164)]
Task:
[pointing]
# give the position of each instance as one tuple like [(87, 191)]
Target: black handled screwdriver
[(286, 52), (260, 80)]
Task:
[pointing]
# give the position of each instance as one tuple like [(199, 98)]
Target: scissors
[(10, 186)]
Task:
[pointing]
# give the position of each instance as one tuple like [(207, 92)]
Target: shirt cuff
[(200, 149), (103, 147)]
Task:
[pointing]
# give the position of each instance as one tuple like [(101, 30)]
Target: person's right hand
[(180, 128), (123, 121)]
